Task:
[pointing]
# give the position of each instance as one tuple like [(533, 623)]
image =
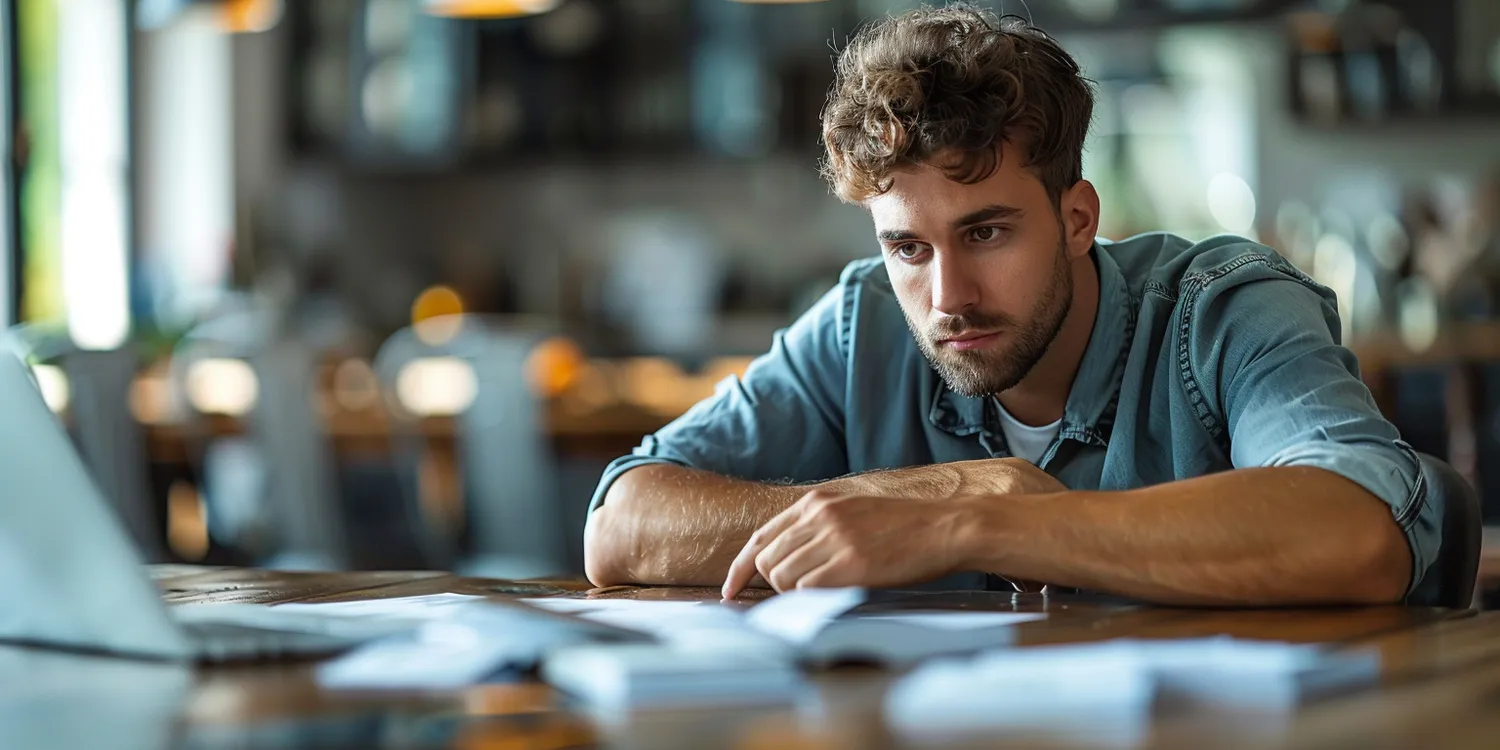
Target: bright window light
[(53, 383), (1232, 202), (92, 130), (437, 386), (222, 386)]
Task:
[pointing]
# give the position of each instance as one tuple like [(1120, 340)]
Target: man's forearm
[(1272, 536), (665, 524)]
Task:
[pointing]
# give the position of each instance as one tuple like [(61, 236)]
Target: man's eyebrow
[(988, 213), (895, 235)]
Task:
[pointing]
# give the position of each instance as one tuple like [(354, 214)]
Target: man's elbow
[(604, 561), (608, 543), (1385, 568)]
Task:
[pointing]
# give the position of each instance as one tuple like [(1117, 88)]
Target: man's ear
[(1078, 207)]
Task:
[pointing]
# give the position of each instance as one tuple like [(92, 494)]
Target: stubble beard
[(984, 373)]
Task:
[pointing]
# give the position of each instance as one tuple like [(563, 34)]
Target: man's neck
[(1040, 398)]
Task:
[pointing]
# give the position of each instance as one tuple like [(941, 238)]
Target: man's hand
[(849, 534), (827, 540), (1005, 476)]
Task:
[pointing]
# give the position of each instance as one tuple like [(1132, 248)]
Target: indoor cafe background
[(386, 283)]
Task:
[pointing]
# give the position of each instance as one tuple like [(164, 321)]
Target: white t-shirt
[(1026, 442)]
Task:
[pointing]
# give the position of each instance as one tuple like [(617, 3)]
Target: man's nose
[(953, 288)]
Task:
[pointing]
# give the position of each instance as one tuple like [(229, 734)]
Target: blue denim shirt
[(1203, 357)]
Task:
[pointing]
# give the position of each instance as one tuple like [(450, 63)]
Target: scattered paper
[(798, 616), (956, 620), (425, 607), (1098, 696), (1114, 684), (663, 619)]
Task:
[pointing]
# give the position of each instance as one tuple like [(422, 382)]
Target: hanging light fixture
[(489, 8), (249, 16), (234, 16)]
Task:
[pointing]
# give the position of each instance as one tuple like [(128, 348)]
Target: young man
[(1001, 393)]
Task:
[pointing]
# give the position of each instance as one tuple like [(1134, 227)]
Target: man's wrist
[(933, 482), (993, 533)]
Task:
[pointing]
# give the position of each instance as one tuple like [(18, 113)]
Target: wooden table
[(1440, 683)]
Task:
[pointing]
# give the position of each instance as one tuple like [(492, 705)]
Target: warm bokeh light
[(554, 366), (53, 383), (437, 386), (222, 386), (151, 398), (437, 315), (489, 8), (355, 385), (249, 16), (187, 522)]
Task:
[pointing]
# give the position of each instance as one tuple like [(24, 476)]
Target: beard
[(987, 372)]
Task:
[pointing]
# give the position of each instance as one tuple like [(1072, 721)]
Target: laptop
[(71, 577)]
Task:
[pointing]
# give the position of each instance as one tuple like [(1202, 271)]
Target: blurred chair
[(106, 433), (300, 491), (474, 370), (1450, 579)]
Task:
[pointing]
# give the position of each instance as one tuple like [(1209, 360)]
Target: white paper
[(360, 620), (956, 620), (1113, 683), (1096, 694), (666, 620), (462, 647), (798, 616), (425, 607)]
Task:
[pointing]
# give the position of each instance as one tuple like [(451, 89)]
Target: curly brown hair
[(953, 83)]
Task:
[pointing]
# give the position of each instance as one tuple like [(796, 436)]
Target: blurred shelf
[(1152, 18), (1457, 342)]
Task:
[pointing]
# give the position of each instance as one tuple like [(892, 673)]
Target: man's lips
[(968, 341)]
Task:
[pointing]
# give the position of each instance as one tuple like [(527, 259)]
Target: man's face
[(982, 271)]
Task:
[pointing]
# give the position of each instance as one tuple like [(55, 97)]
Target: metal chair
[(1449, 581), (301, 495), (514, 516)]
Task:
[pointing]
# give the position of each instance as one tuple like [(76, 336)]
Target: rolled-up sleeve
[(1291, 396), (783, 421)]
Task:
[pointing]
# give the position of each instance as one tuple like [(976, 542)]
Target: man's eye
[(908, 251), (985, 234)]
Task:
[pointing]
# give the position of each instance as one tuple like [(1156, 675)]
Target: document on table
[(812, 625), (1114, 683)]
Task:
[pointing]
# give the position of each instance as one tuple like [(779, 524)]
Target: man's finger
[(784, 574), (785, 544), (743, 569)]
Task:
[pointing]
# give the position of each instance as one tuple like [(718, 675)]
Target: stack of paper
[(462, 646), (628, 677), (811, 625), (1114, 684), (1097, 696), (1254, 675)]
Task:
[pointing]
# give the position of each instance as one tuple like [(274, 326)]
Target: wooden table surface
[(1439, 684)]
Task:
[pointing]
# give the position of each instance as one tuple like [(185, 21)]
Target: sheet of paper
[(424, 607), (666, 620), (797, 616), (574, 606), (957, 620), (1096, 694)]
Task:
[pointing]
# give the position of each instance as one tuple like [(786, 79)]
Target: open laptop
[(70, 577)]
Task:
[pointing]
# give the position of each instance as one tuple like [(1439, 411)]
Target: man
[(1001, 393)]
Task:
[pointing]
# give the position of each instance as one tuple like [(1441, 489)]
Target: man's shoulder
[(865, 273), (1173, 266)]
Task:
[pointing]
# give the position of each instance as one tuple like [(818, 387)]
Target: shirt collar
[(1090, 410)]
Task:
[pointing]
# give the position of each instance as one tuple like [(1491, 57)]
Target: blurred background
[(386, 283)]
